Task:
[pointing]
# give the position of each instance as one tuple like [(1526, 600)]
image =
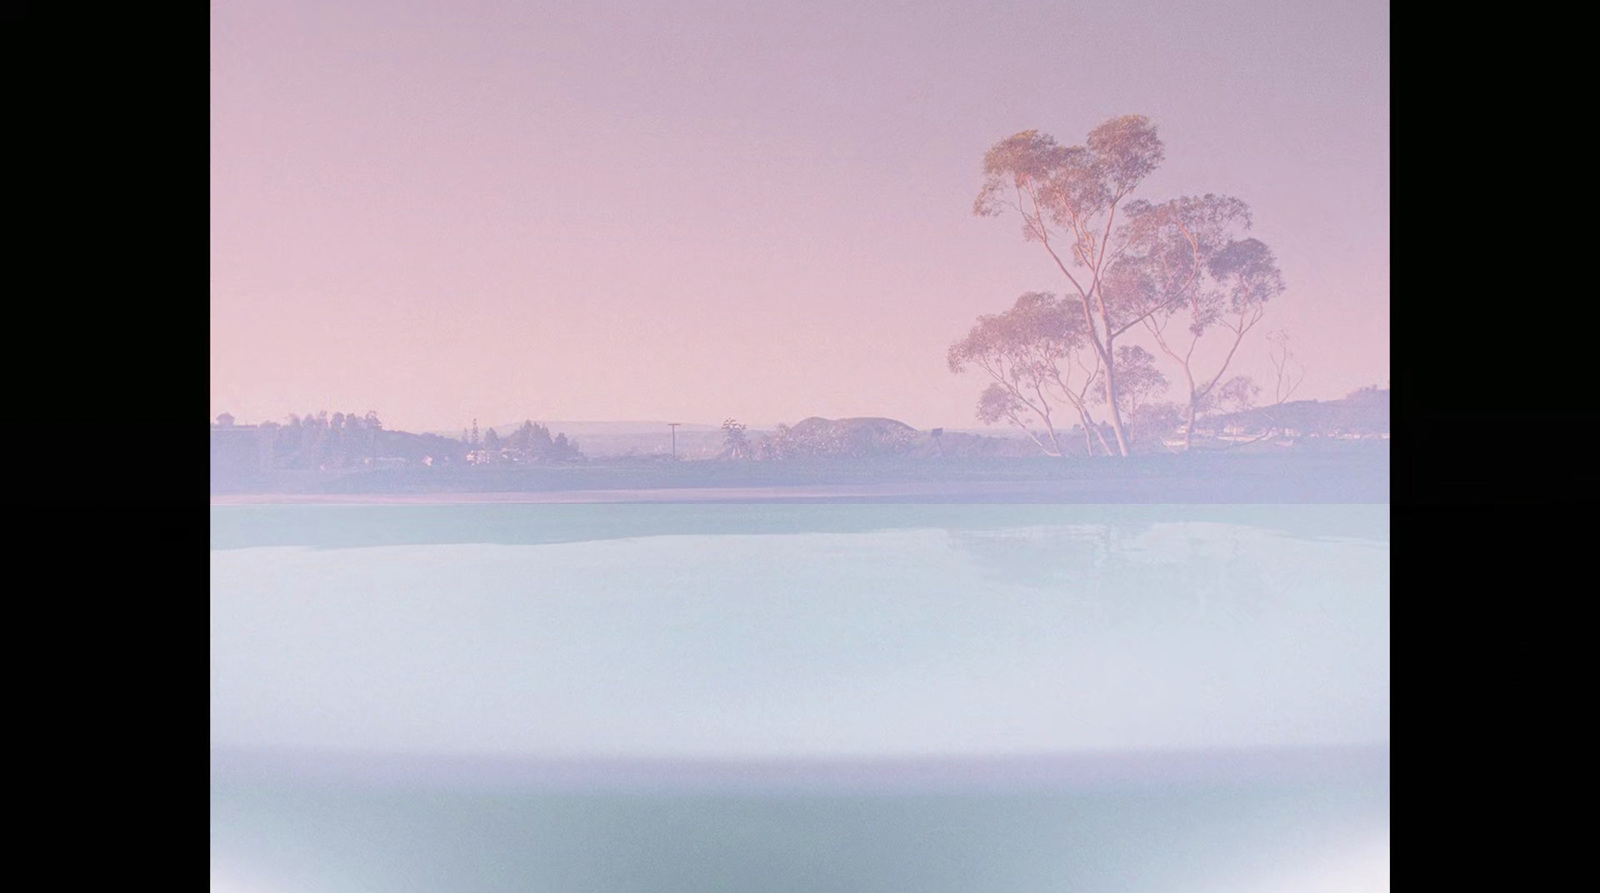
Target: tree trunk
[(1050, 428), (1111, 403), (1099, 435), (1188, 422)]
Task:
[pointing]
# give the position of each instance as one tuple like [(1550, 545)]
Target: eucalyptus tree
[(1289, 373), (1131, 263), (1038, 358), (1138, 379), (1189, 258)]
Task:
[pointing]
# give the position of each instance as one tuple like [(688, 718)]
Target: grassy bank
[(1356, 474)]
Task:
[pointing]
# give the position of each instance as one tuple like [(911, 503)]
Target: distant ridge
[(1366, 410), (581, 428), (629, 426), (700, 440)]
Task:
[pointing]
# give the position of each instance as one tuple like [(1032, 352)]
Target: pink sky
[(590, 209)]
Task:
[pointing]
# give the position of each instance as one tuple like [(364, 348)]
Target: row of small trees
[(339, 421), (532, 441), (815, 438), (321, 439), (345, 439), (1180, 273)]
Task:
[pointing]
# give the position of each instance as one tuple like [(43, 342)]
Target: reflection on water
[(541, 634), (353, 526), (893, 640), (1164, 573)]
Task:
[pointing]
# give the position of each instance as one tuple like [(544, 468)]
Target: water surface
[(681, 697)]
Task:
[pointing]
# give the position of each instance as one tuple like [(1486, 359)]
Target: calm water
[(798, 697)]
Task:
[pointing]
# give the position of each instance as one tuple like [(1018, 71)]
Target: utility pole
[(674, 427)]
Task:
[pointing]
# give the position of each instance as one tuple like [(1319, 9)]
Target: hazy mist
[(696, 210)]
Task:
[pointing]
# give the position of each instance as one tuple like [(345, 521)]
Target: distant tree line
[(532, 442), (817, 438), (347, 440), (321, 440)]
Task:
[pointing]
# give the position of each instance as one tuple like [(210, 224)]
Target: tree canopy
[(1132, 265)]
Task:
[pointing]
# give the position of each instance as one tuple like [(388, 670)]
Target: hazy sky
[(690, 209)]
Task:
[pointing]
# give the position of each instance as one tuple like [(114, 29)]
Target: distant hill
[(967, 445), (601, 439), (854, 436), (248, 456), (1364, 412), (880, 437), (592, 428)]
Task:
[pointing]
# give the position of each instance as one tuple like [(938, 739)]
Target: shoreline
[(1093, 492), (770, 493)]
